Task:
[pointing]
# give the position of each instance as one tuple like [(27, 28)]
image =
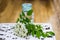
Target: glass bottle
[(27, 7)]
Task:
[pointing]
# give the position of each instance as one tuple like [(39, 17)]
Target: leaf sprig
[(35, 30)]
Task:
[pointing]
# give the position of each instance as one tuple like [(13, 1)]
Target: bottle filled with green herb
[(27, 13)]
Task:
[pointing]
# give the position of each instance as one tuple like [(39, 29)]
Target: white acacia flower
[(20, 30)]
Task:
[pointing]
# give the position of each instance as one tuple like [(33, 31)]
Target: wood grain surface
[(10, 10), (44, 11)]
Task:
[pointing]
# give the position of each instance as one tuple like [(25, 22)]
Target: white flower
[(20, 30)]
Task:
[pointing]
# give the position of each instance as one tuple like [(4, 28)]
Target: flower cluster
[(20, 30)]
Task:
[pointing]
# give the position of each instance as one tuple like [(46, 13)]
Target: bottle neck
[(26, 7)]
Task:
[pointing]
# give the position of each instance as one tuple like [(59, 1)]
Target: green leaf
[(51, 33), (29, 13), (43, 35), (17, 20), (40, 26), (23, 13), (20, 16), (38, 34), (47, 34), (33, 33), (27, 20)]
